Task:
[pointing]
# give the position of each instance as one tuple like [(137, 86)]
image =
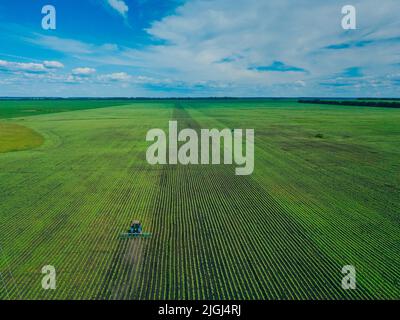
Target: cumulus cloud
[(22, 66), (53, 64), (267, 44), (83, 71), (29, 67), (252, 47), (118, 76)]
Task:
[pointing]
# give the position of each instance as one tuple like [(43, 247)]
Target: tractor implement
[(135, 231), (129, 235)]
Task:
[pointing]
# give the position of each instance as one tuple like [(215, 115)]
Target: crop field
[(324, 194)]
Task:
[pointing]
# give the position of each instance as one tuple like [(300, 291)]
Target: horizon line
[(189, 97)]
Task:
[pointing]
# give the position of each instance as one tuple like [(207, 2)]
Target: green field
[(14, 137), (324, 193), (27, 108)]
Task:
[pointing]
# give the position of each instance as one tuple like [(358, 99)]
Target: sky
[(200, 48)]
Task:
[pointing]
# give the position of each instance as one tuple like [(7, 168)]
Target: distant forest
[(383, 103)]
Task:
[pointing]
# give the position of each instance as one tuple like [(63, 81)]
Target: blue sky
[(199, 48)]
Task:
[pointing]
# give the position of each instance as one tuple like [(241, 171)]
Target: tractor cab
[(136, 227)]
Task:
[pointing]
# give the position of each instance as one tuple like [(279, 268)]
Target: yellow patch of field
[(14, 137)]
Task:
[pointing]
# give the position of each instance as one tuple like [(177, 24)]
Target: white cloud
[(203, 37), (120, 6), (61, 44), (118, 76), (215, 47), (22, 66), (53, 64), (84, 71), (300, 83), (29, 67)]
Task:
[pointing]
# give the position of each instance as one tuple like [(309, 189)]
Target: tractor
[(136, 227), (135, 231)]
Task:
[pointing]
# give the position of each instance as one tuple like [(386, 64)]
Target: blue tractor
[(136, 227), (135, 231)]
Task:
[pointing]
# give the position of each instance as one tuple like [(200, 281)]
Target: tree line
[(359, 103)]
